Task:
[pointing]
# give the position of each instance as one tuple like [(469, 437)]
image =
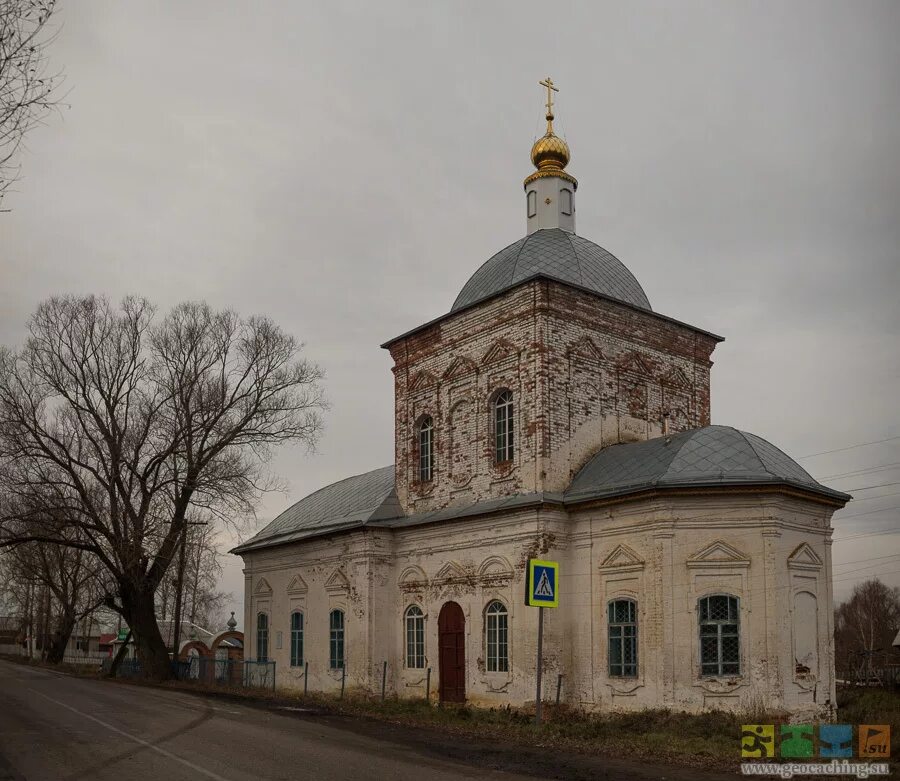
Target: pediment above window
[(422, 380), (718, 555), (495, 568), (337, 583), (586, 348), (413, 577), (675, 377), (499, 351), (297, 586), (804, 557), (622, 559), (459, 367), (451, 572), (634, 362), (262, 588)]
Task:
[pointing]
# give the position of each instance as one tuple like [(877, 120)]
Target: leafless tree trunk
[(866, 624), (74, 583), (116, 425), (26, 87)]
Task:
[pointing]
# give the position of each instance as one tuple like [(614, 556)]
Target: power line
[(870, 575), (870, 498), (867, 534), (870, 558), (870, 487), (871, 512), (879, 468), (870, 566), (849, 447)]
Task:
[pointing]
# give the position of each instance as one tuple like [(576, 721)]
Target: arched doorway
[(452, 653)]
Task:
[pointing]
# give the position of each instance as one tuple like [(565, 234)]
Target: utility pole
[(176, 629), (176, 616)]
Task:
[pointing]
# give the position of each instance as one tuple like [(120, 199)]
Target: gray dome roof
[(707, 457), (557, 254)]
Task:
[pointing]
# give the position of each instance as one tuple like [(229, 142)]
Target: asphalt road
[(54, 726)]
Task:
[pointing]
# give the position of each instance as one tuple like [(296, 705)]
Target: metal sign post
[(540, 666), (542, 590)]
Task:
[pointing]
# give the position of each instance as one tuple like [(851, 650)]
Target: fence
[(244, 673), (229, 673), (85, 660)]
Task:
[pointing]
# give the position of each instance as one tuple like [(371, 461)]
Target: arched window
[(336, 639), (262, 637), (503, 427), (296, 639), (426, 450), (565, 197), (622, 623), (720, 635), (415, 637), (532, 203), (496, 631)]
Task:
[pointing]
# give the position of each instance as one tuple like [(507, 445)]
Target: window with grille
[(336, 640), (622, 622), (415, 637), (565, 196), (720, 635), (503, 427), (262, 637), (497, 637), (296, 639), (426, 450)]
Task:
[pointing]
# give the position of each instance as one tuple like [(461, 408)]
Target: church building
[(553, 414)]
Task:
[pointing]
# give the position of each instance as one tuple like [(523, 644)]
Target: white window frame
[(496, 637), (414, 633), (622, 638), (503, 412), (425, 435), (723, 631)]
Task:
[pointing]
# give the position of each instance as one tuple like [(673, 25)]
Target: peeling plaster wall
[(585, 372), (764, 547)]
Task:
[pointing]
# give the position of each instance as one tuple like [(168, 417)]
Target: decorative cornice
[(548, 172)]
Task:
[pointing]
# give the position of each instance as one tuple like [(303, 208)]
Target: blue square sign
[(543, 583)]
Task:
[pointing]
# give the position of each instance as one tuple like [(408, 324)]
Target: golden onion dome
[(550, 151)]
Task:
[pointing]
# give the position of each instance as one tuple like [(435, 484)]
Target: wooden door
[(452, 657)]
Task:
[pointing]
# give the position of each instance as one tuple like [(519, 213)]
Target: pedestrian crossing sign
[(543, 583)]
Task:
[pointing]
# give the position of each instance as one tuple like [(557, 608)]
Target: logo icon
[(796, 741), (757, 740), (875, 740), (836, 740)]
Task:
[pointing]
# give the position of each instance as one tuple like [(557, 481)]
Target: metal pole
[(540, 663), (343, 678), (176, 626), (428, 686), (558, 687), (383, 679), (305, 678)]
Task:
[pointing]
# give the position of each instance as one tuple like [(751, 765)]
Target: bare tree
[(26, 88), (865, 626), (72, 580), (123, 424), (202, 603)]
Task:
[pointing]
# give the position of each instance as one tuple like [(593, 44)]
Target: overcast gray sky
[(345, 167)]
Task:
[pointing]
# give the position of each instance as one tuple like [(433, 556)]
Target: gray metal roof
[(714, 456), (703, 457), (559, 255), (342, 505)]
